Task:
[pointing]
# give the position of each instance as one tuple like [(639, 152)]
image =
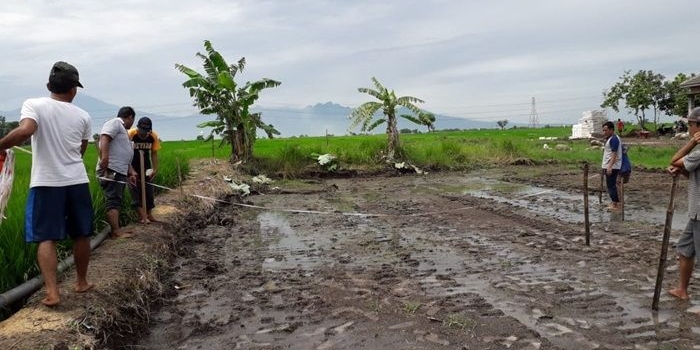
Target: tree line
[(216, 92), (648, 92)]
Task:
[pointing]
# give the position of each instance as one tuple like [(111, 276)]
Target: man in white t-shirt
[(114, 166), (612, 162), (59, 204)]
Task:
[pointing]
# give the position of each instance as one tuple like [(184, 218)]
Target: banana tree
[(424, 118), (388, 102), (217, 92)]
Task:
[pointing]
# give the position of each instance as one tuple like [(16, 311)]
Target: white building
[(591, 123)]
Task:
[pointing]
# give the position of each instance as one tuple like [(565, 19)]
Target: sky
[(482, 60)]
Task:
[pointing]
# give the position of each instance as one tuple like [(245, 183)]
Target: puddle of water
[(563, 205), (286, 249)]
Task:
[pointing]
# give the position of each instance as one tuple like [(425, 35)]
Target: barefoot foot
[(121, 234), (83, 287), (680, 294), (51, 301)]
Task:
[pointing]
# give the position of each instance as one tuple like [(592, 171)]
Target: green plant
[(411, 307), (218, 93), (506, 264), (388, 104), (459, 322), (375, 305)]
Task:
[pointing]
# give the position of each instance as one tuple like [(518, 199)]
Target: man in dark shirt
[(146, 145)]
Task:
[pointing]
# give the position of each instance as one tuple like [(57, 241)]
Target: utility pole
[(534, 123)]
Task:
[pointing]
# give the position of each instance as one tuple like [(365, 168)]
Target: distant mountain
[(332, 118), (317, 120)]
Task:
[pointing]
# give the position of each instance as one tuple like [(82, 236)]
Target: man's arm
[(104, 151), (132, 175), (677, 159), (83, 147), (25, 130)]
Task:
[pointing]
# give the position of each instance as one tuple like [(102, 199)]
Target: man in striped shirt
[(687, 162)]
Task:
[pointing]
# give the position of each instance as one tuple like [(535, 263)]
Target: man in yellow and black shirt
[(146, 144)]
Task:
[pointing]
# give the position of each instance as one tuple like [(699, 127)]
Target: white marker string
[(301, 211), (22, 149)]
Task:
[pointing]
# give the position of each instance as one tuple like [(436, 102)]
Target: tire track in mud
[(576, 304), (490, 277)]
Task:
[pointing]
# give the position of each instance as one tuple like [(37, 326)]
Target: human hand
[(696, 137), (132, 179), (673, 170), (151, 174), (103, 163)]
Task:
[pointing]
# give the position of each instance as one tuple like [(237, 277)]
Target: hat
[(144, 124), (693, 115), (64, 73)]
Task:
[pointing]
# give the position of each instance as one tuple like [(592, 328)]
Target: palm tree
[(217, 93), (388, 103)]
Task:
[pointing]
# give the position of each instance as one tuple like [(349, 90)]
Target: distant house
[(590, 125), (693, 86)]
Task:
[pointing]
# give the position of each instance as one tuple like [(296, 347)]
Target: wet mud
[(478, 260)]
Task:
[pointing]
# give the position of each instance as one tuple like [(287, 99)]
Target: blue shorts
[(55, 213)]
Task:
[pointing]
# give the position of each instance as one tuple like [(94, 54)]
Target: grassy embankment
[(291, 157)]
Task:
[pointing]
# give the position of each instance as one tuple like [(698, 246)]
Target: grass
[(411, 307), (460, 322), (291, 158)]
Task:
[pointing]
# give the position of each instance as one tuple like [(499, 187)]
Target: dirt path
[(449, 262)]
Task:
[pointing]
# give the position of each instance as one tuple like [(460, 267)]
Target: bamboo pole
[(600, 194), (664, 245), (585, 204), (622, 198), (144, 208), (179, 178)]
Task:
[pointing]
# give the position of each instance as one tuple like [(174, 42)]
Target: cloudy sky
[(482, 60)]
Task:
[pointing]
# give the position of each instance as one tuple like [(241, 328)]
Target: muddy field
[(489, 259), (478, 260)]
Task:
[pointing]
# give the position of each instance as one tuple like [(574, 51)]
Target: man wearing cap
[(59, 204), (114, 166), (146, 145), (687, 162)]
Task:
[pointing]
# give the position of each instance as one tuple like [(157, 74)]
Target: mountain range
[(317, 120)]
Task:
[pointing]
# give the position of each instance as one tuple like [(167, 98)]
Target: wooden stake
[(143, 185), (600, 194), (622, 198), (585, 204), (664, 246), (179, 177)]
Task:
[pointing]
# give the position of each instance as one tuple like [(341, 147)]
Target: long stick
[(664, 245), (585, 204), (143, 185), (622, 198), (600, 194)]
